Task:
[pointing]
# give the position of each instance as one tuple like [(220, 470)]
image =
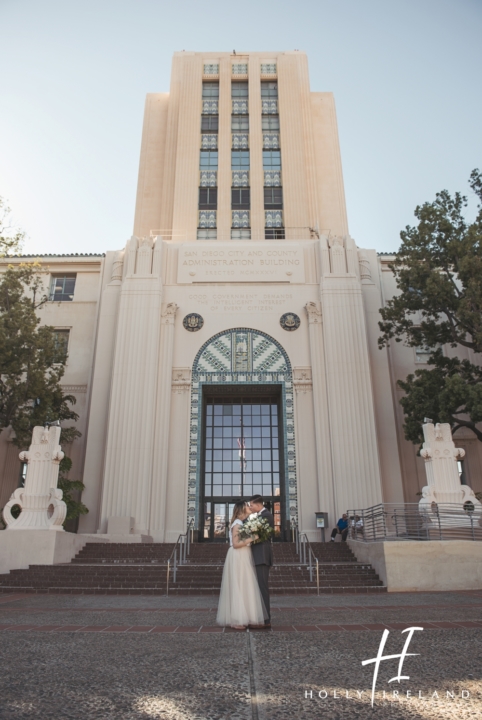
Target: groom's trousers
[(262, 573)]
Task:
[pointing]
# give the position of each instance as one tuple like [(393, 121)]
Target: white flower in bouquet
[(256, 526)]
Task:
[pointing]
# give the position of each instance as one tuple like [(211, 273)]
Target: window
[(208, 197), (211, 69), (423, 352), (209, 159), (209, 123), (61, 344), (62, 288), (207, 234), (240, 234), (240, 159), (210, 90), (273, 198), (274, 233), (239, 123), (270, 123), (239, 90), (240, 198), (271, 159), (269, 90)]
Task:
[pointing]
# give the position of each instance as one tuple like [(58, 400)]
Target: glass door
[(241, 458)]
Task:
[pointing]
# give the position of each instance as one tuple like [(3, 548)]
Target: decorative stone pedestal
[(40, 501), (459, 506)]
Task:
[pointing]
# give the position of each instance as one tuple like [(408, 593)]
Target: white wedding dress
[(240, 601)]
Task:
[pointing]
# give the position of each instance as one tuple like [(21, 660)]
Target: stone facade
[(192, 309)]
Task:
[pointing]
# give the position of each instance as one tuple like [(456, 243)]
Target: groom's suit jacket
[(263, 551)]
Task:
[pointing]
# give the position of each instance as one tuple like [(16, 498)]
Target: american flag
[(242, 453)]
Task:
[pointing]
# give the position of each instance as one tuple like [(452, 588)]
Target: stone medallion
[(289, 322), (193, 322)]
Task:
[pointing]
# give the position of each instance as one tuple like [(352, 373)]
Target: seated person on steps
[(341, 527)]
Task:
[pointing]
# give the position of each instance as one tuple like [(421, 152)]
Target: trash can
[(322, 523)]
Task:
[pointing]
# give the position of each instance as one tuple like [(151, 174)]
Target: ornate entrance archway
[(242, 362)]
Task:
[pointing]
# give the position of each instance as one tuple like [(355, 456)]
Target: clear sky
[(74, 74)]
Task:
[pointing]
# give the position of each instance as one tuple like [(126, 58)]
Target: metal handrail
[(184, 543), (307, 556), (414, 521)]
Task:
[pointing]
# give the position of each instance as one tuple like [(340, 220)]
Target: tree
[(30, 366), (438, 271), (11, 237), (71, 490)]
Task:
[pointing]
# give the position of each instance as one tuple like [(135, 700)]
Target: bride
[(240, 602)]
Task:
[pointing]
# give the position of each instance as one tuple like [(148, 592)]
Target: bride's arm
[(237, 543)]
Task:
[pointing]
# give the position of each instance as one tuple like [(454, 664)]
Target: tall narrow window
[(61, 345)]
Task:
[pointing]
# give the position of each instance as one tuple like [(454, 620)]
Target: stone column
[(356, 469), (178, 466), (322, 420), (131, 426), (40, 500), (306, 453), (99, 399), (163, 439)]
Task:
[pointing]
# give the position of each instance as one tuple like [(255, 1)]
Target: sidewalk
[(143, 657)]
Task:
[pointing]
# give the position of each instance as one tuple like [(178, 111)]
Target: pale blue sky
[(74, 74)]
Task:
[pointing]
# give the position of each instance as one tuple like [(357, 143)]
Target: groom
[(262, 554)]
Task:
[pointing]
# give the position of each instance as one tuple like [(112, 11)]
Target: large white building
[(231, 347)]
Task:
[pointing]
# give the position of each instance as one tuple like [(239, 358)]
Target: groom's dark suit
[(263, 560)]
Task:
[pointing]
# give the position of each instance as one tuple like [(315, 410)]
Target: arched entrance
[(242, 431)]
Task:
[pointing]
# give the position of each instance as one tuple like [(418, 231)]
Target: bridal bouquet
[(256, 526)]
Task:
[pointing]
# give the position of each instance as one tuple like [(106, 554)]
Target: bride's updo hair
[(239, 508)]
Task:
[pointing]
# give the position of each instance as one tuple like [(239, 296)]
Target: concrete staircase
[(141, 569)]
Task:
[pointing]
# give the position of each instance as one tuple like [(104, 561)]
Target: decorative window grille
[(209, 142), (240, 107), (240, 141), (240, 178), (211, 69), (204, 234), (208, 178), (272, 178), (210, 107), (270, 141), (273, 218), (240, 218), (240, 234), (207, 219), (268, 69), (269, 106), (240, 68)]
